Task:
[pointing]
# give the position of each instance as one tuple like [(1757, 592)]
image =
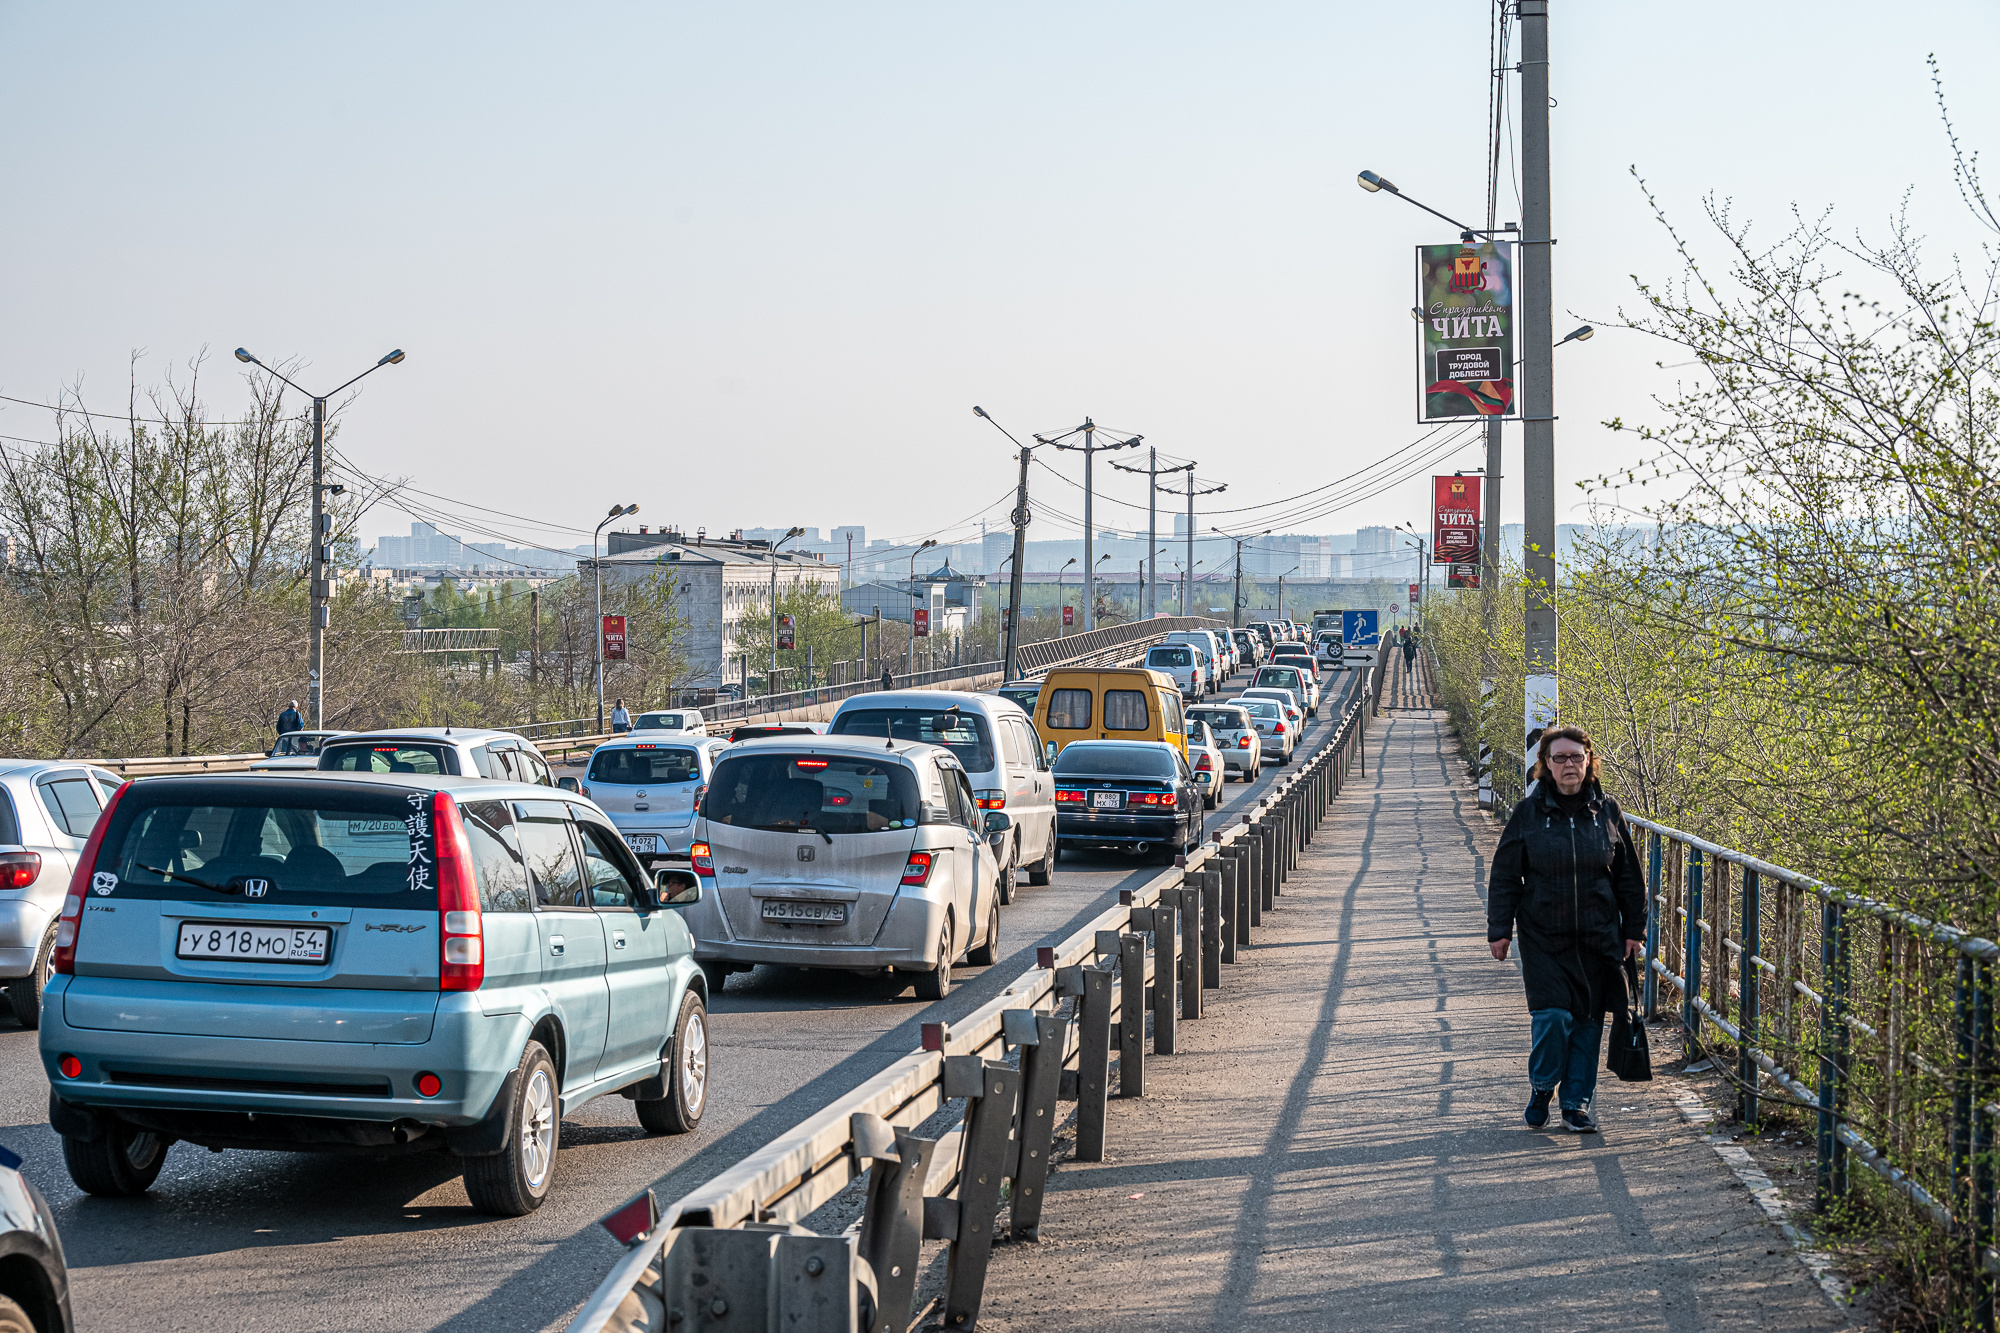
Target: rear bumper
[(470, 1052), (1240, 761), (675, 839), (22, 925), (1085, 830), (907, 938)]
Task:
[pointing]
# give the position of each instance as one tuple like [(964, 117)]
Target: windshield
[(659, 722), (1139, 761), (641, 764), (388, 757), (1224, 718), (964, 734), (1173, 657), (1264, 707), (196, 839), (834, 794)]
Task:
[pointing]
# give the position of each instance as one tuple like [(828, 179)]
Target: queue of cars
[(426, 943)]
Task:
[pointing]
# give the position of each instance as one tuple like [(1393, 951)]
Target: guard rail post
[(1982, 1138), (989, 1123), (1131, 1023), (1190, 901), (1652, 984), (1961, 1093), (1041, 1080), (1690, 1016), (1831, 1182), (892, 1220), (1211, 927), (1253, 910), (1166, 970), (1093, 1063), (1232, 870), (1246, 886), (1750, 1013)]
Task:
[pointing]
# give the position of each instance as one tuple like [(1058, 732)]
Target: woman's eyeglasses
[(1567, 759)]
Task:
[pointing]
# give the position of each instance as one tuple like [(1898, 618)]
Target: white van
[(1184, 663), (995, 742), (1217, 665)]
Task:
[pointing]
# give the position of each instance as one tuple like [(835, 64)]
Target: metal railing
[(737, 1239), (1877, 1022)]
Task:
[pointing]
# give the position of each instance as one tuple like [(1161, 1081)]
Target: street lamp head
[(1072, 560), (795, 532), (394, 358), (242, 355), (928, 543), (1583, 334), (1371, 182), (979, 411), (632, 509), (1417, 313)]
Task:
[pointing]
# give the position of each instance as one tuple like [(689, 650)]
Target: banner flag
[(1465, 342)]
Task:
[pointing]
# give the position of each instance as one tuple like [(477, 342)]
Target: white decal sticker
[(103, 882)]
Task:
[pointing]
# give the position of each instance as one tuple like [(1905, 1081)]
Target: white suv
[(1181, 662)]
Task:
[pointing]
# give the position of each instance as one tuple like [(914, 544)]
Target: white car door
[(1040, 830)]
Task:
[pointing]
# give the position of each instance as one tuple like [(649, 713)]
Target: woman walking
[(1566, 877)]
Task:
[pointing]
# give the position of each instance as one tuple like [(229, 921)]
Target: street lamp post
[(771, 680), (1089, 449), (320, 561), (1060, 603), (1090, 592), (928, 543), (1281, 590), (597, 569), (1236, 608)]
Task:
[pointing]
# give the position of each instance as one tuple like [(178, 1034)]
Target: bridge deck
[(1340, 1145)]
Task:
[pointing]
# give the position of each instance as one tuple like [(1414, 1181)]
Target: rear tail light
[(583, 790), (699, 792), (19, 869), (1204, 764), (702, 859), (1242, 742), (918, 869), (991, 800), (1069, 798), (71, 1066), (462, 955), (429, 1085), (63, 957), (1278, 730)]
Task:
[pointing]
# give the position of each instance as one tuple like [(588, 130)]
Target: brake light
[(583, 791), (462, 954), (918, 869), (1242, 742), (1069, 797), (702, 859), (1278, 730), (1204, 764), (19, 869), (63, 957), (991, 800), (809, 763)]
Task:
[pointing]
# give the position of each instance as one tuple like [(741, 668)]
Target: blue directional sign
[(1358, 628)]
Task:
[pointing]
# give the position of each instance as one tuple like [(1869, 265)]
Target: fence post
[(1832, 1153), (1255, 901), (1166, 970), (1232, 870), (1652, 985), (1132, 1016), (1961, 1095), (1191, 945), (1691, 1016), (988, 1122), (1211, 925), (1041, 1079), (1247, 885), (892, 1227), (1750, 1009), (1982, 1138), (1093, 1063)]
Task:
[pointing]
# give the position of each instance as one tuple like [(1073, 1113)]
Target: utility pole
[(1089, 448), (1236, 609), (1187, 574), (1150, 596), (1538, 397), (534, 654), (1021, 517)]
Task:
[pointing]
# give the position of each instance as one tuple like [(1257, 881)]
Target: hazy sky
[(752, 264)]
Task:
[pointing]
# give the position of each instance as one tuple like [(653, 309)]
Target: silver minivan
[(995, 740), (650, 783), (846, 852), (47, 809)]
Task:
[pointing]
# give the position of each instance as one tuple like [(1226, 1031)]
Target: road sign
[(785, 636), (922, 623), (1069, 616), (614, 638), (1359, 627)]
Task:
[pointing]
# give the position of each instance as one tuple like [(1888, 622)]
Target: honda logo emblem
[(256, 888), (806, 853)]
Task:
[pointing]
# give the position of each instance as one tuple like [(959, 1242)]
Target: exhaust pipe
[(1143, 848)]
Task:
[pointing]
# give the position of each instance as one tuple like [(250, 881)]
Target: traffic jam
[(431, 941)]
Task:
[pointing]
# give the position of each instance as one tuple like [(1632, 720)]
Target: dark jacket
[(290, 721), (1570, 885)]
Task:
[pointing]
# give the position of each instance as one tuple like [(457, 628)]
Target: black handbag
[(1629, 1057)]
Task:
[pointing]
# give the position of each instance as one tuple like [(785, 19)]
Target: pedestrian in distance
[(620, 719), (888, 679), (1566, 878), (1409, 649), (289, 720)]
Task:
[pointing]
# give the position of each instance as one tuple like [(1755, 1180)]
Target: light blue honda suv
[(372, 963)]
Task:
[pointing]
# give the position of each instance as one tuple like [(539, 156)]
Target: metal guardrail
[(1778, 950), (733, 1247)]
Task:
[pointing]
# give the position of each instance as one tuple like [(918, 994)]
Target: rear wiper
[(185, 879), (803, 815)]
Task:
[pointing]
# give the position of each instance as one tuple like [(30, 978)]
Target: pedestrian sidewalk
[(1339, 1143)]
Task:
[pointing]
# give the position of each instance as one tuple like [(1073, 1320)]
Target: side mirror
[(1049, 752), (570, 784), (998, 821), (676, 888)]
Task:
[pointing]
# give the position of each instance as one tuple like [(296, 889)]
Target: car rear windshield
[(217, 840), (1222, 718), (1179, 657), (1136, 761), (388, 757), (827, 794), (1265, 707), (641, 764), (964, 734), (1279, 677), (658, 722)]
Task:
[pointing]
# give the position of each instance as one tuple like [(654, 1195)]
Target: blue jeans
[(1564, 1051)]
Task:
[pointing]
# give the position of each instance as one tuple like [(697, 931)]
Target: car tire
[(1041, 874), (936, 983), (686, 1070), (988, 951), (1010, 874), (13, 1319), (25, 996), (122, 1163), (514, 1181)]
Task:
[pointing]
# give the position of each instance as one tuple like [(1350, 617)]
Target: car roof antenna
[(889, 730)]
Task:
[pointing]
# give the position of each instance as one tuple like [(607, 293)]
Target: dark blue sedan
[(1137, 796)]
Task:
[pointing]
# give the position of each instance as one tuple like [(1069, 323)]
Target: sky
[(753, 264)]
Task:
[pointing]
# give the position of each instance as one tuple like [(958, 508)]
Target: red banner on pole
[(1454, 520), (786, 627), (1413, 594), (1069, 616), (922, 622), (614, 638)]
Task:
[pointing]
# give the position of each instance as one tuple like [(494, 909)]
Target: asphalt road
[(251, 1240)]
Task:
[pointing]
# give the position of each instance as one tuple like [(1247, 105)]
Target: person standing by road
[(289, 721), (888, 679), (620, 719), (1566, 877)]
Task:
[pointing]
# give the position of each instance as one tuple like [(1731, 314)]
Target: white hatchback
[(651, 784)]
